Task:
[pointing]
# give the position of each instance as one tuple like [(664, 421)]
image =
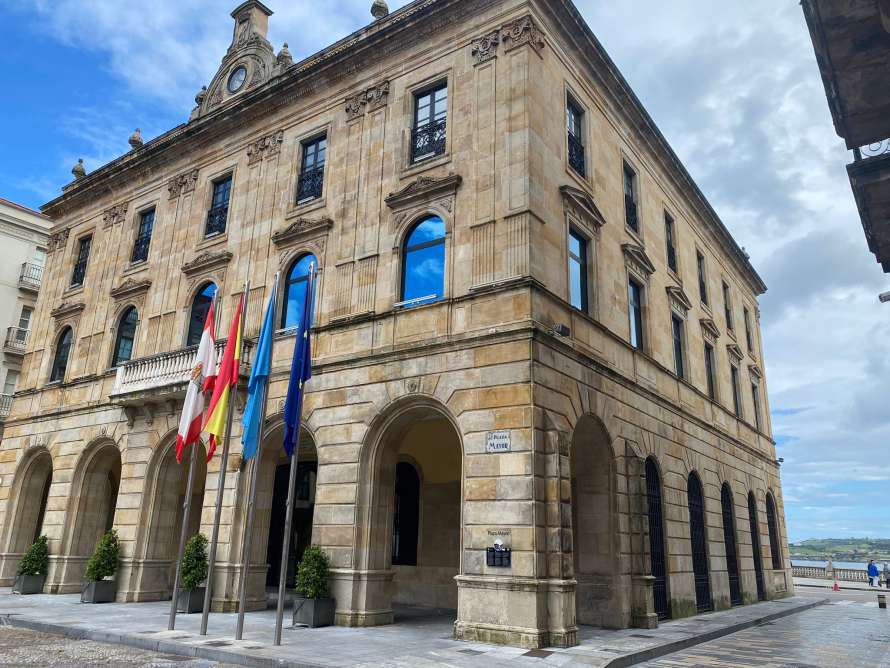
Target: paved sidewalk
[(422, 638), (828, 584)]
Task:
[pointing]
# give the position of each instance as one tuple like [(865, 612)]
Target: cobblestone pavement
[(849, 632), (20, 648)]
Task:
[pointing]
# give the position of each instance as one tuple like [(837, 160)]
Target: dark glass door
[(699, 545), (755, 546), (732, 555), (656, 540)]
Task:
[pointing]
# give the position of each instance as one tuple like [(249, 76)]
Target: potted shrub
[(32, 571), (100, 587), (194, 572), (312, 606)]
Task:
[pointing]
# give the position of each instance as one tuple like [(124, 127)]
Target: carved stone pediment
[(734, 352), (635, 257), (67, 310), (182, 184), (300, 229), (206, 260), (755, 370), (709, 330), (424, 188), (130, 288), (678, 299), (582, 206), (114, 215)]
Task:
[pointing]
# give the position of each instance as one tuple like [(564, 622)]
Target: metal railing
[(873, 150), (428, 141), (576, 155), (31, 276), (140, 248), (310, 184), (216, 221), (16, 339), (5, 405), (630, 213)]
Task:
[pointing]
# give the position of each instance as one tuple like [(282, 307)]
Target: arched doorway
[(755, 546), (31, 495), (657, 558), (699, 538), (593, 531), (772, 525), (729, 540)]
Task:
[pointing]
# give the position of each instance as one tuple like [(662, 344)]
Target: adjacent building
[(538, 397)]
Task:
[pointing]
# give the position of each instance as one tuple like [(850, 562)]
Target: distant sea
[(852, 565)]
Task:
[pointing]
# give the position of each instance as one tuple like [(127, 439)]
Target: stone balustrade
[(822, 573)]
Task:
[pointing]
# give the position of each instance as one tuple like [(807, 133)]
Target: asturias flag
[(300, 372), (202, 380), (258, 385), (226, 380)]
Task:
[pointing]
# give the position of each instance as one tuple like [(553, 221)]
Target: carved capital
[(523, 31), (373, 98), (265, 147), (182, 184), (207, 260), (58, 240), (114, 215), (485, 48)]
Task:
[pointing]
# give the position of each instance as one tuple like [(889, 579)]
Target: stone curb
[(156, 645), (678, 645)]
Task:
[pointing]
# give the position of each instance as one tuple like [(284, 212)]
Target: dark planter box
[(190, 600), (29, 584), (103, 591), (314, 612)]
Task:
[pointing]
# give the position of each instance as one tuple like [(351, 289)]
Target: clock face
[(236, 78)]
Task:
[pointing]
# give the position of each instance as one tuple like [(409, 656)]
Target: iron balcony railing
[(5, 405), (216, 220), (16, 338), (873, 150), (140, 248), (576, 155), (428, 141), (630, 213), (31, 276), (310, 184)]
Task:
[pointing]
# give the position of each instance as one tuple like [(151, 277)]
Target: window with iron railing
[(630, 199), (702, 278), (16, 338), (80, 265), (31, 275), (669, 242), (219, 207), (575, 131), (143, 236), (428, 136), (310, 184), (679, 346), (727, 307)]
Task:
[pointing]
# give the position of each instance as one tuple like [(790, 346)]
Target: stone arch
[(30, 493)]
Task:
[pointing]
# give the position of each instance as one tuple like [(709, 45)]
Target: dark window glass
[(630, 199), (143, 236), (60, 361), (635, 301), (311, 182), (578, 271), (727, 306), (423, 266), (126, 336), (755, 546), (709, 371), (406, 514), (219, 207), (702, 278), (755, 397), (430, 118), (736, 396), (677, 331), (200, 307), (575, 125), (729, 541), (658, 562), (80, 264), (669, 240), (749, 338), (698, 534), (773, 527), (296, 289)]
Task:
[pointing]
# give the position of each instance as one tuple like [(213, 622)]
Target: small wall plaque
[(498, 441)]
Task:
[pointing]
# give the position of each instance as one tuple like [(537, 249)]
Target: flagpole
[(224, 464), (186, 508), (292, 479), (251, 506)]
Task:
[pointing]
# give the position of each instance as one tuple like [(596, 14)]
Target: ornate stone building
[(538, 394)]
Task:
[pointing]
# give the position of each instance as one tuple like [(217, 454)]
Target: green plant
[(36, 559), (105, 559), (313, 572), (194, 562)]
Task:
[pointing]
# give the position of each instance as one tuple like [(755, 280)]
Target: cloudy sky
[(734, 87)]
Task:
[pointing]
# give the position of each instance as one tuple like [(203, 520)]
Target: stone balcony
[(30, 277), (16, 340)]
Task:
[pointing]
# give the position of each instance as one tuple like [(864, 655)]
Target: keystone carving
[(485, 48), (206, 260), (265, 147), (114, 215), (182, 184), (130, 287), (372, 99), (301, 228)]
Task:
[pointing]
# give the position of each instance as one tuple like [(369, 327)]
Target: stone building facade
[(527, 337)]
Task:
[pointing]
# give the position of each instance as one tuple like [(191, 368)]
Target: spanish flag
[(226, 380)]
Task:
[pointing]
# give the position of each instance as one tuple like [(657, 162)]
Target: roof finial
[(135, 140), (379, 9), (79, 170), (284, 59)]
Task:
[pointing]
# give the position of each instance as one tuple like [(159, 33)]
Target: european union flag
[(300, 372), (258, 385)]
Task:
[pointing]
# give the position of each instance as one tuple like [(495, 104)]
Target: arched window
[(60, 361), (423, 262), (699, 538), (296, 287), (406, 515), (198, 316), (732, 553), (126, 336), (755, 546), (773, 528), (656, 539)]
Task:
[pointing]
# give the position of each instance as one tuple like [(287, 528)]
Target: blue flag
[(300, 372), (258, 385)]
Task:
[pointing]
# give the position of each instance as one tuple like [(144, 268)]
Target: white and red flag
[(202, 380)]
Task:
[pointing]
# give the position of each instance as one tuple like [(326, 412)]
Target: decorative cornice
[(735, 352), (130, 288), (485, 48), (582, 205), (424, 188), (300, 229), (182, 184), (58, 240), (635, 257), (67, 310), (206, 260), (373, 98), (265, 147), (755, 371), (709, 330), (523, 31), (678, 299), (114, 215)]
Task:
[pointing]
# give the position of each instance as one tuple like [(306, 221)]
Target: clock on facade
[(236, 78)]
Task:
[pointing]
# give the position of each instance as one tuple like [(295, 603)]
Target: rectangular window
[(12, 380), (677, 331), (310, 185), (630, 199), (755, 396), (219, 207), (40, 257), (749, 338), (736, 393), (25, 318), (727, 307), (709, 371), (702, 277), (578, 271), (575, 128), (669, 240), (143, 236), (635, 302), (80, 265), (430, 117)]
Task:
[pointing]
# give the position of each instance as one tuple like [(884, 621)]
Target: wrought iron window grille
[(310, 185), (630, 213), (576, 155), (216, 221), (140, 248), (428, 140), (80, 266)]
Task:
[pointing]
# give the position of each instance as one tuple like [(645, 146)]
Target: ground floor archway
[(27, 514)]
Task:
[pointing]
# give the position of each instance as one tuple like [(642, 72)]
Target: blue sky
[(734, 87)]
